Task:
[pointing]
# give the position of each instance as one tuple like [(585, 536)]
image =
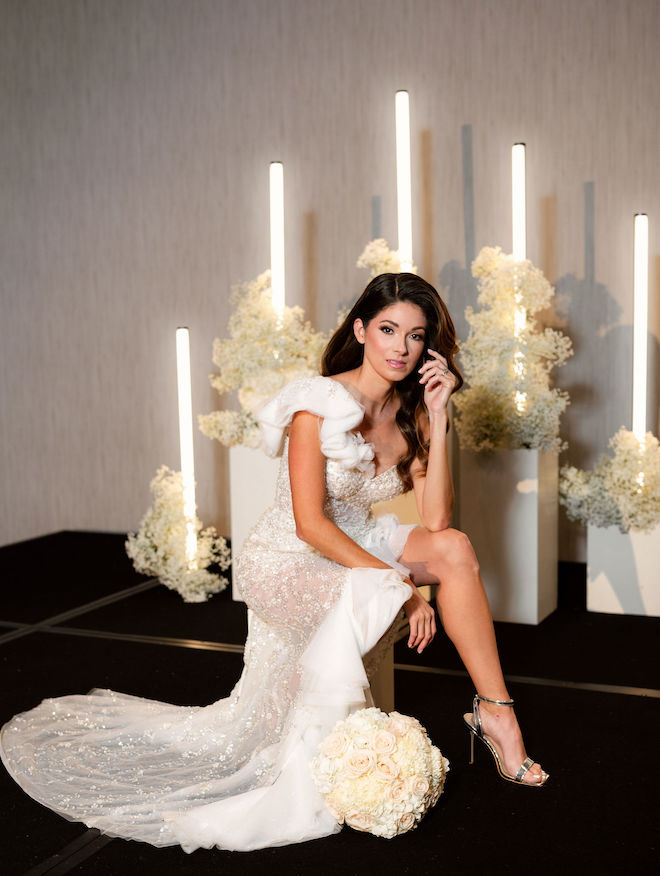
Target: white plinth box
[(508, 508), (623, 571), (252, 479)]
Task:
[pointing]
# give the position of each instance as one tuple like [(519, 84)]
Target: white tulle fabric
[(235, 774)]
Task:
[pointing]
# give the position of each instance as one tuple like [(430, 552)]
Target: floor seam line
[(226, 647), (26, 629), (627, 690), (171, 641)]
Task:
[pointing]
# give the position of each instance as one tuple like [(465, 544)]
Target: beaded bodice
[(350, 495), (351, 484)]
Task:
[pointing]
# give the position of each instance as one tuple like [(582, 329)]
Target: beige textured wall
[(136, 136)]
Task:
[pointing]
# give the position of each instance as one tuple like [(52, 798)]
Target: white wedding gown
[(235, 774)]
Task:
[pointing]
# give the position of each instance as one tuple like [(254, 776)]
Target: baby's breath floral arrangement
[(378, 258), (158, 548), (507, 360), (264, 352), (622, 490), (379, 773)]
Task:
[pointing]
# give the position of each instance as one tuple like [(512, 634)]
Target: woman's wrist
[(438, 425)]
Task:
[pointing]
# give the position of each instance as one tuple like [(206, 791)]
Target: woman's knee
[(453, 547)]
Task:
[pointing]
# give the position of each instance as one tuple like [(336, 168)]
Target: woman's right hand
[(421, 618)]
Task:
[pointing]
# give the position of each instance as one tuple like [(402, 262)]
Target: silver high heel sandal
[(475, 729)]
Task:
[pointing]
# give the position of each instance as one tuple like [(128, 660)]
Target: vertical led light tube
[(403, 178), (186, 440), (640, 322), (277, 234), (518, 202)]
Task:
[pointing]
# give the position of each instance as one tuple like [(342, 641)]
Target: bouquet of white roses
[(379, 773)]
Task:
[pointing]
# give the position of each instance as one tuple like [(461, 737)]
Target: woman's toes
[(535, 773)]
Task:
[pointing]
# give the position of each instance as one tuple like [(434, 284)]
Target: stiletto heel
[(475, 729)]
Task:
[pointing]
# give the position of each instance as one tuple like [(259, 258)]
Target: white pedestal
[(508, 508), (252, 480), (623, 571)]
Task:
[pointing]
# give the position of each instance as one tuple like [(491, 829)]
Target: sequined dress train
[(235, 774)]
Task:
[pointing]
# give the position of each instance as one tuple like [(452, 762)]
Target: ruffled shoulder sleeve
[(340, 413)]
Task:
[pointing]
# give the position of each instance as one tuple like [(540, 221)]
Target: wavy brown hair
[(344, 352)]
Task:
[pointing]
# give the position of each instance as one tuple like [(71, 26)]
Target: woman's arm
[(308, 491), (434, 490)]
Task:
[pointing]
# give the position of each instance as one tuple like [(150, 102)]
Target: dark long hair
[(344, 352)]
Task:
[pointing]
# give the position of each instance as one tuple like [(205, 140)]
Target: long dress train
[(235, 774)]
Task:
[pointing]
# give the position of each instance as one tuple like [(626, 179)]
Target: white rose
[(357, 763), (406, 821), (419, 786), (398, 724), (383, 742), (335, 744), (398, 792), (386, 770), (359, 820), (336, 814)]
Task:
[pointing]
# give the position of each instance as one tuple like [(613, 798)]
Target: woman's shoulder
[(326, 398), (323, 396)]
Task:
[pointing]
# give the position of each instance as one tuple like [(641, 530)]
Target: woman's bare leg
[(447, 559)]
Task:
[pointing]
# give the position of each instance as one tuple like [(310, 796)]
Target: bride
[(324, 582)]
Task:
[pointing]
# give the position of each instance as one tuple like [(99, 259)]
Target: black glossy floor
[(75, 616)]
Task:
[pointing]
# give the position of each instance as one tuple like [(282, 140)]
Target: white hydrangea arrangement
[(379, 773), (263, 353), (507, 360), (622, 490), (158, 548), (378, 258)]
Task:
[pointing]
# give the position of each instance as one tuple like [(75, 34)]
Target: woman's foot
[(500, 726)]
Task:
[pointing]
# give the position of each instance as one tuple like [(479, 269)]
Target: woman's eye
[(386, 329), (417, 337)]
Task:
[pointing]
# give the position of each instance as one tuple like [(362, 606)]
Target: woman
[(324, 582), (378, 354)]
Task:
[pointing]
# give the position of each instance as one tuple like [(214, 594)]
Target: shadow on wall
[(598, 377)]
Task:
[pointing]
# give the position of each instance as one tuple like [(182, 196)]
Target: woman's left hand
[(421, 618), (438, 382)]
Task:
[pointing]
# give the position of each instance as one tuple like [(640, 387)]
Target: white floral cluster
[(264, 352), (507, 360), (158, 548), (378, 258), (379, 773), (622, 490)]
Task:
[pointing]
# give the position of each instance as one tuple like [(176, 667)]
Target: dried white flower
[(158, 548), (263, 353), (622, 490), (507, 360), (378, 258)]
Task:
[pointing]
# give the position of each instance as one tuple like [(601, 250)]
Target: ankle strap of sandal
[(475, 708), (494, 702)]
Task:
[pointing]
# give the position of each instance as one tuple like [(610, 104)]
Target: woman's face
[(394, 339)]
